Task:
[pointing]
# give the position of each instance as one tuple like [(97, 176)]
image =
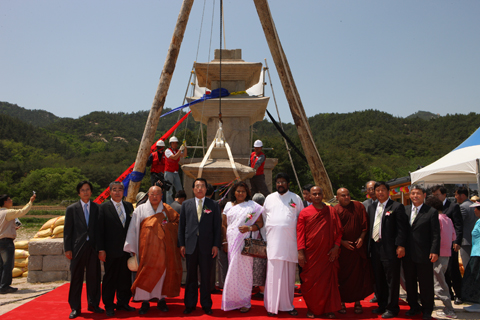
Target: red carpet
[(54, 305)]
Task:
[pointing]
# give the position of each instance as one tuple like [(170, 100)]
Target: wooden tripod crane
[(317, 168)]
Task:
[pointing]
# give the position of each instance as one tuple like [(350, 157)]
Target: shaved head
[(316, 195), (155, 196), (343, 197)]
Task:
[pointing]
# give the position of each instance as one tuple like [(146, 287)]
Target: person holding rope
[(173, 156)]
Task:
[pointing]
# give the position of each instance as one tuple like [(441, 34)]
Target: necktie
[(121, 215), (199, 209), (376, 226), (85, 211), (415, 212)]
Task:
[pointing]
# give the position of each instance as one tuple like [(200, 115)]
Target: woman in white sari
[(241, 216)]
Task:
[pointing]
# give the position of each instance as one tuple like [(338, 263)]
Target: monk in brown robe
[(152, 237), (319, 233), (355, 276)]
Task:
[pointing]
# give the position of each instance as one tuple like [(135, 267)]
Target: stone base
[(47, 276)]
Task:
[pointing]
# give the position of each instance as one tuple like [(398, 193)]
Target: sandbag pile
[(52, 229), (20, 268)]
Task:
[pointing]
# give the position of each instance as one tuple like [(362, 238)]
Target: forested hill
[(354, 147), (37, 118)]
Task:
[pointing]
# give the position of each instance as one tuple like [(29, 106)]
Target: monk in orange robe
[(158, 240), (355, 277), (152, 239), (319, 233)]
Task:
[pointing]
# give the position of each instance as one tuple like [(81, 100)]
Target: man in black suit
[(113, 222), (423, 249), (80, 247), (388, 237), (199, 239), (453, 277)]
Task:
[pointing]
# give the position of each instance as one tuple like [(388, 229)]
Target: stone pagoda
[(239, 112)]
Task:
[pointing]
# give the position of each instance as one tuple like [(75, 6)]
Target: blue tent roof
[(473, 140)]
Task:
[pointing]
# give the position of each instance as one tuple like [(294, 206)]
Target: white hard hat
[(160, 143), (257, 144), (173, 139)]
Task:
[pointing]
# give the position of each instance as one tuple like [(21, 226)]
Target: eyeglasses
[(281, 182)]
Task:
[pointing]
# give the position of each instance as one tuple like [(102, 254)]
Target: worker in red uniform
[(173, 155), (157, 161), (257, 162)]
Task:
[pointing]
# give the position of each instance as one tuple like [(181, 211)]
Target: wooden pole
[(159, 100), (298, 113)]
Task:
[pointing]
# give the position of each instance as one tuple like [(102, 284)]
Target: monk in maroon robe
[(319, 233), (355, 276)]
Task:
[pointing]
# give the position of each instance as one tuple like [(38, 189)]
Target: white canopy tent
[(459, 166)]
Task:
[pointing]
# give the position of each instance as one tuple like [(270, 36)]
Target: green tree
[(51, 184)]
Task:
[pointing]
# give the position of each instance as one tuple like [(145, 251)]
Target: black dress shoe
[(208, 311), (8, 290), (145, 307), (162, 305), (458, 301), (388, 315), (95, 309), (413, 312), (110, 313), (126, 307), (378, 311), (188, 310), (74, 314)]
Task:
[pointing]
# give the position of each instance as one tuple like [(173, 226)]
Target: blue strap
[(214, 94), (135, 176)]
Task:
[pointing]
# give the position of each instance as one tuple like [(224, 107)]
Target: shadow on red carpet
[(54, 305)]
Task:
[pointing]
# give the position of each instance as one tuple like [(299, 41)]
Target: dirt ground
[(26, 233), (26, 292)]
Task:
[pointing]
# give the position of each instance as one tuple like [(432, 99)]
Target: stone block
[(56, 263), (46, 276), (48, 247), (35, 263)]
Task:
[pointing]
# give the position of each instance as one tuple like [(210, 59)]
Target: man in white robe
[(153, 206), (281, 210)]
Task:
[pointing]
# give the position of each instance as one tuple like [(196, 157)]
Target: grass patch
[(33, 222), (45, 213)]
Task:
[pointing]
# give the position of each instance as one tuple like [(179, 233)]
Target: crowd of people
[(343, 253)]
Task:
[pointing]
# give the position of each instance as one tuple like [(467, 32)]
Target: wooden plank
[(159, 99), (296, 107)]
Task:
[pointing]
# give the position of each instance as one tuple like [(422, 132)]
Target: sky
[(75, 57)]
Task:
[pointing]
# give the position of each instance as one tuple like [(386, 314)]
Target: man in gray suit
[(469, 219), (370, 187), (199, 239)]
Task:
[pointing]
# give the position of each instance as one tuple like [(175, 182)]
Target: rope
[(184, 100), (224, 33), (219, 137), (203, 105), (280, 120), (196, 57), (220, 66)]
